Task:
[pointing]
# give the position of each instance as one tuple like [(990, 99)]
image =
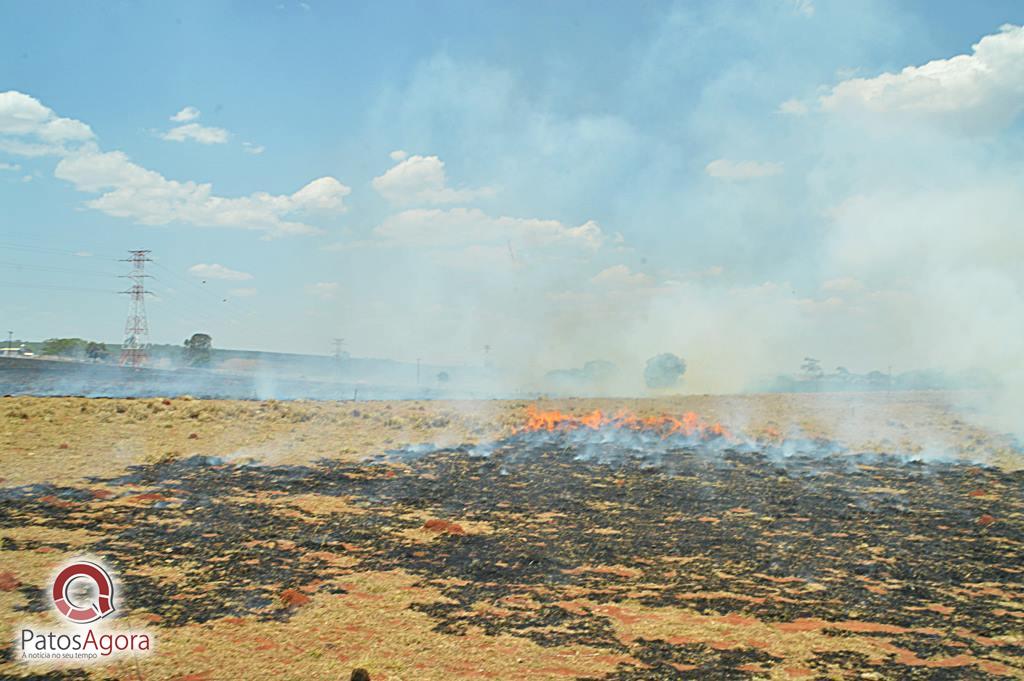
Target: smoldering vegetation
[(565, 536)]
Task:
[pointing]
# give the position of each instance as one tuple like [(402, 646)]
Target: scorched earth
[(512, 541)]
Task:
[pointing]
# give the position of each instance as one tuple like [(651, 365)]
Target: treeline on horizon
[(593, 374)]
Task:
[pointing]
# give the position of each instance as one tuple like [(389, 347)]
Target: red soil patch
[(618, 571), (54, 501), (615, 612), (739, 620), (1012, 613), (149, 496), (8, 582), (941, 609), (443, 527), (682, 640), (995, 668), (294, 598), (549, 672)]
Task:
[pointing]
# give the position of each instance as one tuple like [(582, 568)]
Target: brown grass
[(66, 439)]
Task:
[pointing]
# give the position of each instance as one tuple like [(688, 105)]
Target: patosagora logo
[(83, 593)]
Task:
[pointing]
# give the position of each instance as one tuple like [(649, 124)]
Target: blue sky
[(560, 181)]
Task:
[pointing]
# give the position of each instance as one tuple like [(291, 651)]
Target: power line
[(47, 268), (190, 282), (13, 245), (52, 287), (237, 305), (212, 317), (177, 290)]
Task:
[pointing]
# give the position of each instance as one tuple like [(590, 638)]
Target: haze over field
[(740, 184), (512, 340)]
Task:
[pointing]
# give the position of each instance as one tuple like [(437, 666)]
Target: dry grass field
[(284, 554), (54, 439)]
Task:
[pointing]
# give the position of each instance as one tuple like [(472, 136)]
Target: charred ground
[(661, 558)]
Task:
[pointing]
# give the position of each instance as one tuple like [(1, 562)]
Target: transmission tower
[(136, 328)]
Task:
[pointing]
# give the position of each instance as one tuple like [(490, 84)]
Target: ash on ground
[(560, 528)]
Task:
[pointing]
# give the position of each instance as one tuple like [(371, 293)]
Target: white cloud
[(189, 113), (742, 170), (422, 179), (984, 88), (457, 226), (10, 166), (325, 194), (620, 277), (793, 107), (128, 190), (197, 132), (325, 290), (242, 292), (398, 155), (27, 128), (255, 149), (216, 271)]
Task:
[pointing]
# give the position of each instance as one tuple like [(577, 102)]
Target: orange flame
[(689, 424)]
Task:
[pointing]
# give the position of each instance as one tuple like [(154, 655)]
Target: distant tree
[(843, 374), (878, 378), (198, 350), (664, 370), (64, 347), (96, 351), (812, 368), (443, 377)]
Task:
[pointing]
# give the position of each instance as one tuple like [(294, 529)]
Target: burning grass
[(689, 424)]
